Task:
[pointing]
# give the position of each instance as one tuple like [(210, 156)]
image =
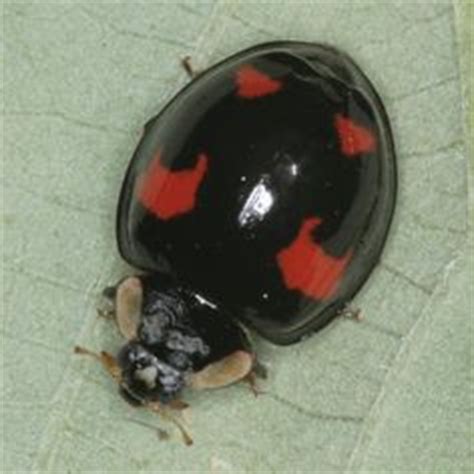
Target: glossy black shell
[(295, 184)]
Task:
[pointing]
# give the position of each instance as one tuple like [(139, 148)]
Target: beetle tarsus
[(260, 370), (156, 407), (251, 380), (162, 434), (351, 312), (106, 313), (188, 67)]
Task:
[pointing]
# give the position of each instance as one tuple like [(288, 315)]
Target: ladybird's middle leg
[(161, 410), (258, 371), (231, 369), (251, 380)]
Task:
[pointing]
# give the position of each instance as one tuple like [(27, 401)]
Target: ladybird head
[(162, 348), (146, 377)]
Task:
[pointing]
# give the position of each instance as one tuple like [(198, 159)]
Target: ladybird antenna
[(109, 363), (105, 359)]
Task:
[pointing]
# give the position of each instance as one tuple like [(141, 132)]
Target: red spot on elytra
[(306, 267), (354, 138), (168, 193), (252, 83)]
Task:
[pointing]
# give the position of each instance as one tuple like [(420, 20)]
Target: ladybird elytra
[(267, 184)]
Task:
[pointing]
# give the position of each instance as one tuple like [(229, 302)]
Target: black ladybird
[(262, 194)]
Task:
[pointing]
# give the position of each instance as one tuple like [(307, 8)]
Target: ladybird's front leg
[(160, 409), (178, 404), (258, 371), (231, 369)]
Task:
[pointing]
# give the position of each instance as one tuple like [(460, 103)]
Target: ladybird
[(260, 196)]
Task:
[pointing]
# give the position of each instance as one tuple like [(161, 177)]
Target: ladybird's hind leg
[(122, 303), (188, 67), (240, 366)]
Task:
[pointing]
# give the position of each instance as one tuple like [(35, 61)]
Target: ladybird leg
[(351, 312), (107, 361), (251, 380), (178, 404), (188, 67), (259, 370), (158, 408), (229, 370)]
